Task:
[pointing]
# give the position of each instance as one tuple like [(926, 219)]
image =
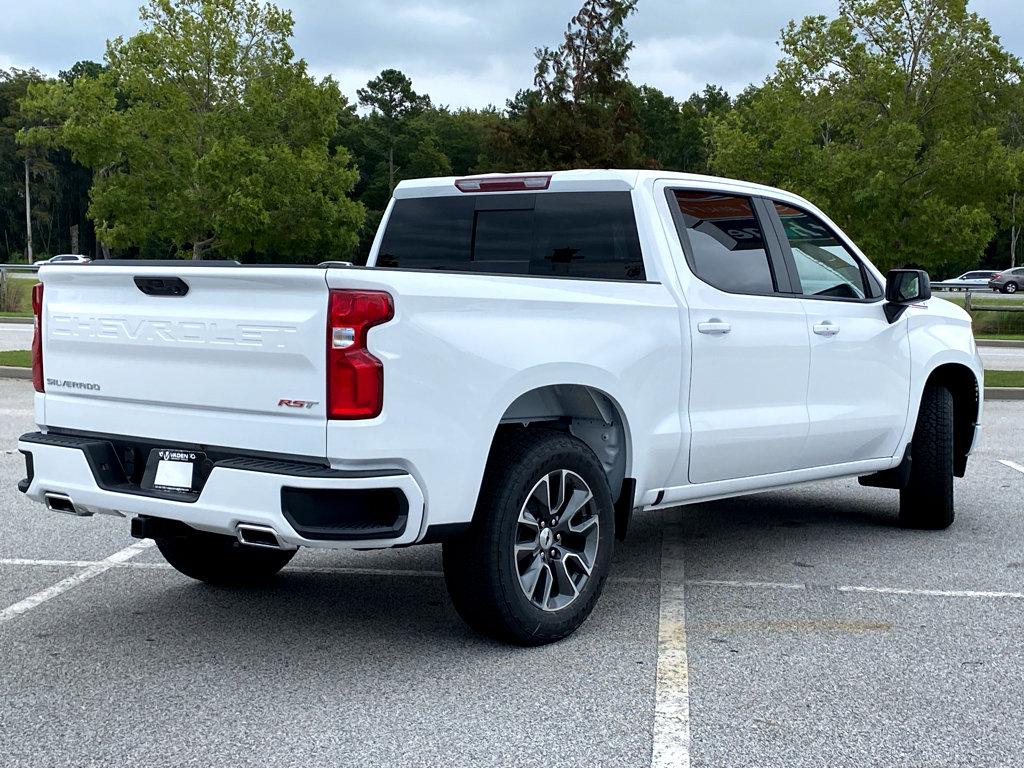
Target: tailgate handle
[(162, 286)]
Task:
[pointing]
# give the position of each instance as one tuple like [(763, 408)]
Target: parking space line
[(19, 608), (44, 562), (672, 689), (881, 589), (1012, 465), (926, 592), (747, 583)]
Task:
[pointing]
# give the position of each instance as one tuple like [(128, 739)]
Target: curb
[(1004, 393), (15, 372), (26, 321), (1000, 342)]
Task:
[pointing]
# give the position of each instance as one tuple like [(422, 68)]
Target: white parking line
[(45, 562), (881, 589), (1012, 465), (19, 608), (672, 690)]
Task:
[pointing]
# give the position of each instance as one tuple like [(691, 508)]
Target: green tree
[(392, 103), (204, 131), (673, 133), (889, 117), (580, 112), (29, 179), (463, 135), (1012, 216)]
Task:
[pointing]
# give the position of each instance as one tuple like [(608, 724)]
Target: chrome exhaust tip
[(61, 503), (260, 536)]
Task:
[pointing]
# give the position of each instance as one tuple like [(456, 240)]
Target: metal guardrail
[(10, 272), (1004, 306)]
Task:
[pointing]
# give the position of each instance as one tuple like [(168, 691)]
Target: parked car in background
[(64, 259), (1008, 281), (975, 279)]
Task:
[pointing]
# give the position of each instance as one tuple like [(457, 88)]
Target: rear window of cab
[(553, 234)]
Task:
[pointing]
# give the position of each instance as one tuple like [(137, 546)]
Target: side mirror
[(903, 287)]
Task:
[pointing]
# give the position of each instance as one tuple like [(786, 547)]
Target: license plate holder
[(173, 470)]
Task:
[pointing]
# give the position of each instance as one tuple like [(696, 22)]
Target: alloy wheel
[(557, 539)]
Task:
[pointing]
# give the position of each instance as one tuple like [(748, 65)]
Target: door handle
[(714, 326), (827, 328)]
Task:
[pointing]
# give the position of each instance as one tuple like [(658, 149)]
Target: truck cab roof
[(586, 180)]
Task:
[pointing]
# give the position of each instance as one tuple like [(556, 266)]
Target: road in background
[(1002, 358), (15, 336)]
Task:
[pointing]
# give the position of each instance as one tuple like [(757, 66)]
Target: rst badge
[(294, 404)]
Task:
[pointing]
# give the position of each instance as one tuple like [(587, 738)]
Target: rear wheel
[(1010, 288), (222, 560), (533, 564), (927, 500)]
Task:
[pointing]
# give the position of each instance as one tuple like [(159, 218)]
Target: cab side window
[(726, 243), (825, 266)]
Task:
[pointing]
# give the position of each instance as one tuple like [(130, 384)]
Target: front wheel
[(534, 561), (927, 500), (222, 560)]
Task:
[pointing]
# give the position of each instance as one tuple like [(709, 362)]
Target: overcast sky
[(470, 52)]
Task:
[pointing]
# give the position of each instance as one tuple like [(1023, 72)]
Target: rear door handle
[(827, 328), (714, 326)]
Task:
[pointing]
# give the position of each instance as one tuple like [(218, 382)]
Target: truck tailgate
[(239, 360)]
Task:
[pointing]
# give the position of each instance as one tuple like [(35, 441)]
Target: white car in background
[(975, 279), (64, 259)]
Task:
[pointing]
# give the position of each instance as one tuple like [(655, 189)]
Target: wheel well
[(596, 419), (961, 382), (586, 413)]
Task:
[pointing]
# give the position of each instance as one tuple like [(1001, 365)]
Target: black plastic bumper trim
[(346, 514), (108, 460), (442, 532), (30, 472)]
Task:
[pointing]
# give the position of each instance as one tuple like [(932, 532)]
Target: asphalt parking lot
[(799, 627)]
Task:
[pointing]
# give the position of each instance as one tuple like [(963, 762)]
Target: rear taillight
[(996, 276), (37, 337), (355, 378)]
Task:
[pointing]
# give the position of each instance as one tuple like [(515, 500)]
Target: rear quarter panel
[(462, 347)]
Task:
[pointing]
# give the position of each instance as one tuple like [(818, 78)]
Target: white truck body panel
[(208, 367), (704, 415)]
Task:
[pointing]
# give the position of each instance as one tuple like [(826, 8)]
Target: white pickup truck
[(524, 362)]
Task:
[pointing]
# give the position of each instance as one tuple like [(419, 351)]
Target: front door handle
[(826, 328), (714, 326)]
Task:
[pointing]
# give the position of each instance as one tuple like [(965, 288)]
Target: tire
[(927, 500), (491, 569), (1010, 288), (218, 559)]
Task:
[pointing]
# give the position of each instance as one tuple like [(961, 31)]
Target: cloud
[(432, 16), (684, 64), (468, 52)]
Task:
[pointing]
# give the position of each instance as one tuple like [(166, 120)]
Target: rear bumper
[(293, 499)]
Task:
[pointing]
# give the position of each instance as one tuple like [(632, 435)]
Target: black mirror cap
[(907, 286)]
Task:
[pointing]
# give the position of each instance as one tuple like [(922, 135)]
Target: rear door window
[(558, 234), (723, 241)]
